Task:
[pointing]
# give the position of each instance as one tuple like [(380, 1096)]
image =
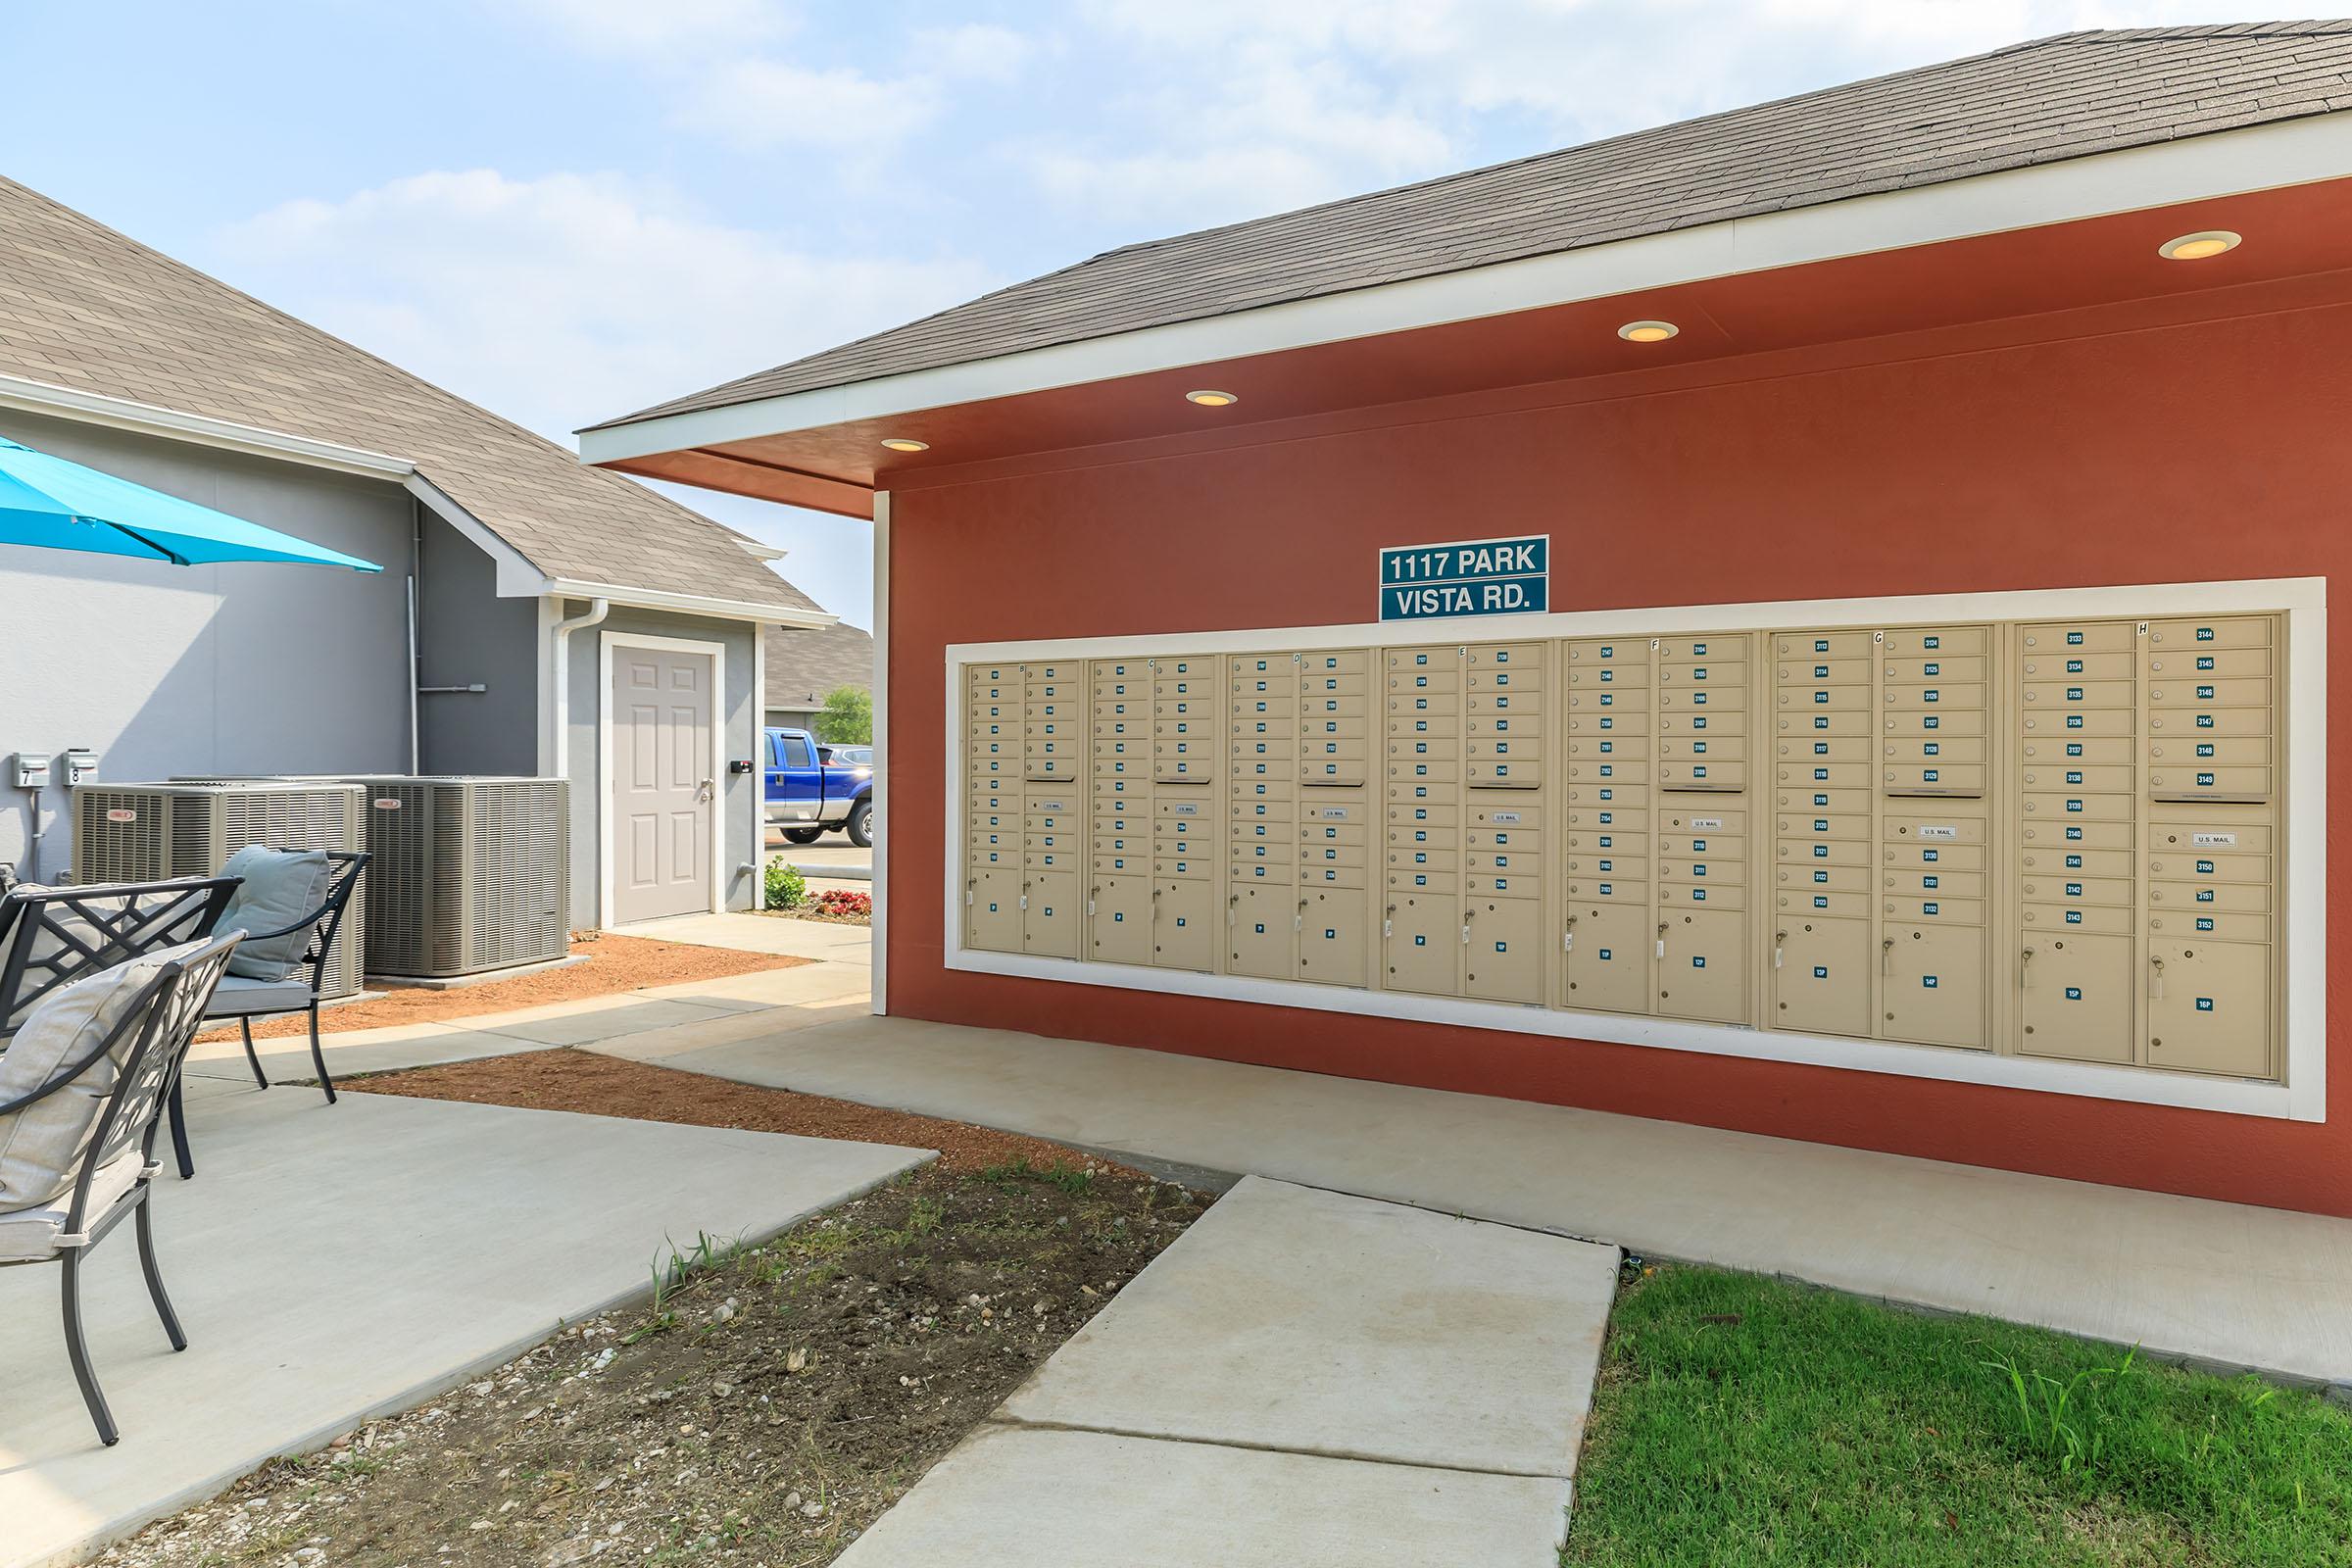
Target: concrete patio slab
[(333, 1263), (2111, 1263), (596, 1018), (1294, 1318), (1016, 1497), (287, 1058)]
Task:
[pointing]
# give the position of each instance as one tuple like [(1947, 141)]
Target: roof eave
[(2280, 154)]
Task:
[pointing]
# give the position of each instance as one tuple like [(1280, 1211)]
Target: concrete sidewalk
[(332, 1263), (2223, 1284), (1303, 1380)]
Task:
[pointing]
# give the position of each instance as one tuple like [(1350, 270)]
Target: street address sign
[(1472, 577)]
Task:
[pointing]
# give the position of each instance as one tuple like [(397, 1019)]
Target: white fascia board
[(147, 419), (2267, 157), (687, 604), (517, 577)]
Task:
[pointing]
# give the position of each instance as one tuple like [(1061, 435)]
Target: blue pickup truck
[(806, 795)]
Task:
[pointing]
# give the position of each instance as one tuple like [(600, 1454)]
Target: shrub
[(786, 887)]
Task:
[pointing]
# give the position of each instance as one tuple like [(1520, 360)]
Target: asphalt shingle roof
[(805, 664), (2068, 96), (85, 308)]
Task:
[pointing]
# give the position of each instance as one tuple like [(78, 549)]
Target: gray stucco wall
[(467, 633), (168, 670), (739, 718)]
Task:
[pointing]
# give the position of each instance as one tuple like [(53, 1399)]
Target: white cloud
[(632, 28), (570, 298), (977, 51), (763, 103)]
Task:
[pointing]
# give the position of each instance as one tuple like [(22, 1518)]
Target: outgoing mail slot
[(1933, 830), (2177, 782), (1906, 642), (2084, 637), (2223, 631), (2075, 664)]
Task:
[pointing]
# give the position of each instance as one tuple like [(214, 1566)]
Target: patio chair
[(245, 997), (82, 1090), (51, 937)]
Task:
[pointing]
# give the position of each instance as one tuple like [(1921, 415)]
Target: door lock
[(1568, 937), (2025, 970), (1777, 938), (1387, 925), (2155, 978), (1886, 956), (1661, 925)]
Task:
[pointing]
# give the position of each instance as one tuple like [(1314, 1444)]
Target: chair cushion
[(41, 1146), (239, 998), (279, 888), (30, 1234)]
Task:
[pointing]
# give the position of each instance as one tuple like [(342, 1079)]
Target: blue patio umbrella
[(57, 505)]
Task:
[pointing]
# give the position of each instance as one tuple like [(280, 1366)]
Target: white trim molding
[(2293, 152), (606, 851), (147, 419), (879, 945), (2302, 941)]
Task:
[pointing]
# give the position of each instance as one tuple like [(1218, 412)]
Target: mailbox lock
[(1886, 956), (2155, 978)]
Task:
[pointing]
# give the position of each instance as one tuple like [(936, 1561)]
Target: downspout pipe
[(597, 610)]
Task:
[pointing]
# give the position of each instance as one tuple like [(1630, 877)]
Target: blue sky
[(570, 208)]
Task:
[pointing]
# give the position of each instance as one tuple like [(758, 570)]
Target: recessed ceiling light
[(2196, 247), (1213, 399), (1647, 331), (901, 443)]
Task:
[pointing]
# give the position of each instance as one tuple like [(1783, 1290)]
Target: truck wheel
[(862, 824), (803, 835)]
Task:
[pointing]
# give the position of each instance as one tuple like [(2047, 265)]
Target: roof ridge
[(2084, 35), (75, 216)]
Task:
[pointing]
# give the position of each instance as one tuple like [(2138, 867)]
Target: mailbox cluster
[(2057, 840)]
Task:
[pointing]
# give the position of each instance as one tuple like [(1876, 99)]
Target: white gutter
[(688, 603), (561, 681), (2262, 158), (145, 418)]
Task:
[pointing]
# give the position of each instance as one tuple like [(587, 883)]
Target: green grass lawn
[(1739, 1420)]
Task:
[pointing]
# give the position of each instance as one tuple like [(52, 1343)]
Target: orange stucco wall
[(2118, 446)]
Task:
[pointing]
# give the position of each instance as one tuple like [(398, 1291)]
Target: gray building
[(806, 664), (533, 615)]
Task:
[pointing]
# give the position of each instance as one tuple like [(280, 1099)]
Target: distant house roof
[(2062, 97), (804, 666), (90, 311)]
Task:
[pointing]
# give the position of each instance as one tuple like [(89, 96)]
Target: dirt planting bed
[(764, 1408)]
